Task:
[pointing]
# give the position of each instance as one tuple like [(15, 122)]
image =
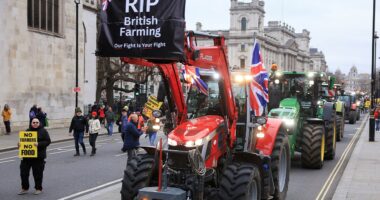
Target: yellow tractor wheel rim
[(323, 147)]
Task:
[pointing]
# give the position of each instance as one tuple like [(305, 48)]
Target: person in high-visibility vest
[(367, 104)]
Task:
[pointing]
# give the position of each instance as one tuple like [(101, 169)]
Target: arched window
[(243, 24)]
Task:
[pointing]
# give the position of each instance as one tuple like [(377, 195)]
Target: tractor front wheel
[(240, 181), (339, 128), (280, 166), (137, 175), (352, 117), (313, 146), (331, 143)]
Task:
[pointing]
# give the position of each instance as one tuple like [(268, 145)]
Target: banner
[(150, 29), (27, 148), (151, 105)]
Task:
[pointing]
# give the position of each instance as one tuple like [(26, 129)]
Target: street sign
[(76, 89), (27, 141)]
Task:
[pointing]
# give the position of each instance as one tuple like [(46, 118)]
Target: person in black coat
[(131, 136), (37, 164), (79, 124)]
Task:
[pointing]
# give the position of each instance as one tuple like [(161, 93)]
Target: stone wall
[(38, 68)]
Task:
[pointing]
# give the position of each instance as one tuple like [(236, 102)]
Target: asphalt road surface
[(308, 184), (65, 174)]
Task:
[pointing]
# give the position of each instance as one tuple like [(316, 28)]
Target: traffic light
[(137, 89)]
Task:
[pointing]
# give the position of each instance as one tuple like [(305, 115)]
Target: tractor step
[(170, 193)]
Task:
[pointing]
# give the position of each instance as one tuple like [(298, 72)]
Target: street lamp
[(77, 2), (373, 73)]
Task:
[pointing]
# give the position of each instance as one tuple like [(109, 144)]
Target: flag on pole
[(258, 87), (192, 75)]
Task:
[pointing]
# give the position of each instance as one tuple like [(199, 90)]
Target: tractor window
[(240, 101), (345, 99), (200, 104)]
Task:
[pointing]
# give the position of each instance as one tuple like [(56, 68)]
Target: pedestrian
[(151, 130), (94, 129), (37, 164), (140, 120), (377, 118), (41, 116), (32, 113), (79, 125), (131, 136), (7, 115), (123, 122), (110, 118), (101, 114)]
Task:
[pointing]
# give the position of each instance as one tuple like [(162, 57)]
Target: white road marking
[(121, 154), (326, 187), (90, 190), (7, 161), (8, 158), (64, 151)]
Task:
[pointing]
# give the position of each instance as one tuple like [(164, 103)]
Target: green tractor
[(331, 93), (310, 119)]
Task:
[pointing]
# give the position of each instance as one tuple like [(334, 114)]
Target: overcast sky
[(340, 28)]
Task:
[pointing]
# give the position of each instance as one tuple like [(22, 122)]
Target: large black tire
[(358, 115), (352, 117), (339, 128), (331, 143), (313, 146), (240, 181), (137, 175), (280, 166)]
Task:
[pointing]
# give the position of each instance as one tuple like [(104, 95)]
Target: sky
[(341, 29)]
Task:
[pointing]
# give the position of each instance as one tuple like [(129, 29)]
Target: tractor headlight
[(157, 120), (311, 82), (320, 103), (260, 134), (156, 127), (288, 122), (172, 142), (358, 103), (276, 81)]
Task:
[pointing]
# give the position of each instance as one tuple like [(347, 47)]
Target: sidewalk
[(361, 178), (9, 142)]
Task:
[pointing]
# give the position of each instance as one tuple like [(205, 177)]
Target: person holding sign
[(36, 136)]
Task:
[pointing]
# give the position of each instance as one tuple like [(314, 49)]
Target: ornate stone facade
[(357, 82), (280, 43)]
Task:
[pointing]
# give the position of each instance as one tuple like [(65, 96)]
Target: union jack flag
[(258, 88), (192, 75), (105, 4)]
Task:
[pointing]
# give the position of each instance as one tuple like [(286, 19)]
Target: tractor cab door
[(245, 126)]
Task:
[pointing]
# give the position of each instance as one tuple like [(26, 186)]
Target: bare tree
[(113, 70)]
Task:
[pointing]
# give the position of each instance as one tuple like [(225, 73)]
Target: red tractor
[(213, 152)]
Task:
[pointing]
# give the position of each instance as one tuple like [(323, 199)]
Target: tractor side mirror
[(157, 113)]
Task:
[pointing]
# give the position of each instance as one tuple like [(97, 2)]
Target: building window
[(151, 89), (243, 24), (242, 47), (242, 63), (43, 15)]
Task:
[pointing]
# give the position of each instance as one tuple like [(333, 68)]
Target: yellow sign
[(27, 141), (151, 105)]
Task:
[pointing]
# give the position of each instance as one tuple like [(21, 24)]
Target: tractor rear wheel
[(339, 128), (240, 181), (313, 146), (280, 166), (137, 175), (352, 117), (331, 143)]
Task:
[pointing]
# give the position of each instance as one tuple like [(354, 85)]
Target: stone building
[(38, 57), (357, 82), (280, 43)]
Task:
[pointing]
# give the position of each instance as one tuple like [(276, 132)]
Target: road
[(99, 175), (307, 184), (65, 174)]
